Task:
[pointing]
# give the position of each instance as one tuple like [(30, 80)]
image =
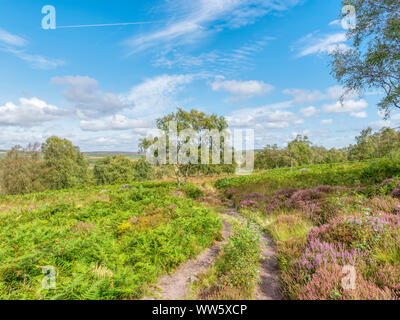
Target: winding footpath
[(268, 288), (176, 286)]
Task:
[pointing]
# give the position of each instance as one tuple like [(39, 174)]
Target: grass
[(93, 157), (235, 272), (103, 245)]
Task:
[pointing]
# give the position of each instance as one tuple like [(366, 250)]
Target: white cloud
[(338, 92), (88, 100), (262, 118), (37, 61), (326, 44), (354, 107), (29, 112), (301, 96), (335, 22), (304, 96), (11, 39), (15, 45), (242, 89), (360, 115), (199, 18), (157, 94), (115, 122), (309, 112), (377, 125), (327, 121), (215, 61)]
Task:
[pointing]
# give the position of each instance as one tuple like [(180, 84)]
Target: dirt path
[(269, 288), (175, 286)]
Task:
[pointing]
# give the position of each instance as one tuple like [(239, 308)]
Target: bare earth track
[(175, 286), (269, 288)]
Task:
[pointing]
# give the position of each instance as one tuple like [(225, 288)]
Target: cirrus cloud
[(242, 89)]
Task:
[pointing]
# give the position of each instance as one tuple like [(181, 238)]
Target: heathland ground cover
[(104, 243), (325, 220)]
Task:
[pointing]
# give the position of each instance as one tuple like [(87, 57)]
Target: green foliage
[(342, 174), (143, 170), (373, 60), (375, 145), (197, 121), (69, 166), (114, 169), (192, 191), (22, 171), (299, 152), (235, 273), (318, 231), (241, 257), (114, 246)]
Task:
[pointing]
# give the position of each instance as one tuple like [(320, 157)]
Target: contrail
[(106, 25)]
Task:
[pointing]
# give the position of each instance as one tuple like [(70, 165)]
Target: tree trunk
[(178, 176), (186, 174)]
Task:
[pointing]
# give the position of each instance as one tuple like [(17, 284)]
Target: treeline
[(301, 151), (58, 164)]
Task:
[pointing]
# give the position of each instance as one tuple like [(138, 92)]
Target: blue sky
[(263, 64)]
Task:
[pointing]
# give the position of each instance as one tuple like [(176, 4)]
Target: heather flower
[(286, 193), (396, 193), (326, 284), (256, 195), (385, 182), (325, 189), (319, 253), (248, 204)]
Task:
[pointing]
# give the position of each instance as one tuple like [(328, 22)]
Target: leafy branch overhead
[(374, 59)]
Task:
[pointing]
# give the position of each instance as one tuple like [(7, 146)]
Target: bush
[(143, 170), (326, 284), (69, 166), (22, 172), (114, 169), (192, 192)]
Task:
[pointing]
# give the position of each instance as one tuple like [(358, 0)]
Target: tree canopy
[(374, 59), (69, 165), (186, 147)]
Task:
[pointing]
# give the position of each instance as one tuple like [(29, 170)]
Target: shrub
[(326, 284), (69, 166), (235, 273), (114, 169), (192, 192), (22, 171), (143, 170), (245, 204)]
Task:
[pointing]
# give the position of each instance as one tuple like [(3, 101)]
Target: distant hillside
[(114, 152)]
